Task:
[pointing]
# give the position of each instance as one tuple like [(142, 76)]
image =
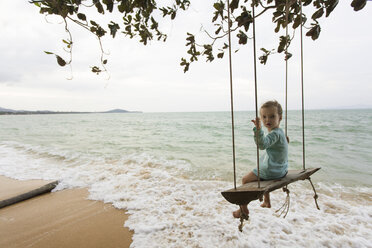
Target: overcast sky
[(149, 78)]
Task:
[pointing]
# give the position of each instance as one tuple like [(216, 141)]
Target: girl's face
[(270, 117)]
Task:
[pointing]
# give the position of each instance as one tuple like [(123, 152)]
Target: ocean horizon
[(123, 110)]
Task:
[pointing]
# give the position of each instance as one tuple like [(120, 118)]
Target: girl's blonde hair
[(274, 103)]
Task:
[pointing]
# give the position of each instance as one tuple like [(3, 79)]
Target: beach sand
[(59, 219)]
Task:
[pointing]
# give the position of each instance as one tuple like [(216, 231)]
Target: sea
[(167, 170)]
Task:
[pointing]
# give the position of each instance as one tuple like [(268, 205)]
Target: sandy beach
[(60, 219)]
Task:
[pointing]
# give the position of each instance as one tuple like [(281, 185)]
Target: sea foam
[(167, 208)]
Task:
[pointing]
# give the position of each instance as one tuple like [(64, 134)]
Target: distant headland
[(5, 111)]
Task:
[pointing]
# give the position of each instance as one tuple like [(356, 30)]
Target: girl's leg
[(266, 203), (250, 177)]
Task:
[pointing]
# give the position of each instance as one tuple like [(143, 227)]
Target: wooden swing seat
[(248, 192)]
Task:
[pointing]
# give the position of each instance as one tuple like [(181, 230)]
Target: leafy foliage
[(139, 19), (285, 13), (358, 4)]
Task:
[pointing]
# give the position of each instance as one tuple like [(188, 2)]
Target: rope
[(315, 194), (286, 70), (231, 93), (255, 91), (285, 207), (243, 216), (302, 90)]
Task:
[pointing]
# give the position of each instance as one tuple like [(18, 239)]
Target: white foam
[(169, 210)]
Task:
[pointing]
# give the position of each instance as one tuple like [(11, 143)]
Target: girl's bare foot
[(236, 213), (266, 205), (267, 202)]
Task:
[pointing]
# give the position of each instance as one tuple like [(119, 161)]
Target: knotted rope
[(285, 207)]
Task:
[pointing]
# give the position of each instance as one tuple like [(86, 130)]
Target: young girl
[(273, 164)]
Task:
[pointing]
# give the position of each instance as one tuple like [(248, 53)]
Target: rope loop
[(285, 207)]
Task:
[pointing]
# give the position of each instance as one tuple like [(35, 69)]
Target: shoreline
[(63, 219)]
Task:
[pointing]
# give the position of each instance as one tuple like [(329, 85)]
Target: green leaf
[(109, 4), (331, 6), (99, 8), (173, 15), (234, 5), (319, 13), (60, 61), (307, 2), (263, 59), (219, 7), (358, 4), (96, 69), (114, 27), (81, 16), (288, 55), (185, 64), (218, 30), (243, 38), (283, 43), (314, 32), (245, 19), (48, 52), (277, 27), (297, 22), (318, 4)]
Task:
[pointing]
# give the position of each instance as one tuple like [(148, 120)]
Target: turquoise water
[(338, 141), (167, 171)]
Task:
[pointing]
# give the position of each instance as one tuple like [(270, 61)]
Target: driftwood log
[(42, 190)]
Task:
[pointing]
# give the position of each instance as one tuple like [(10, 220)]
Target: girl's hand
[(257, 123)]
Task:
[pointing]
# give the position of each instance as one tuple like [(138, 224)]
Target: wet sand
[(59, 219)]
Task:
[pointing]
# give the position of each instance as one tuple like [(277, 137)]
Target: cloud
[(149, 78)]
